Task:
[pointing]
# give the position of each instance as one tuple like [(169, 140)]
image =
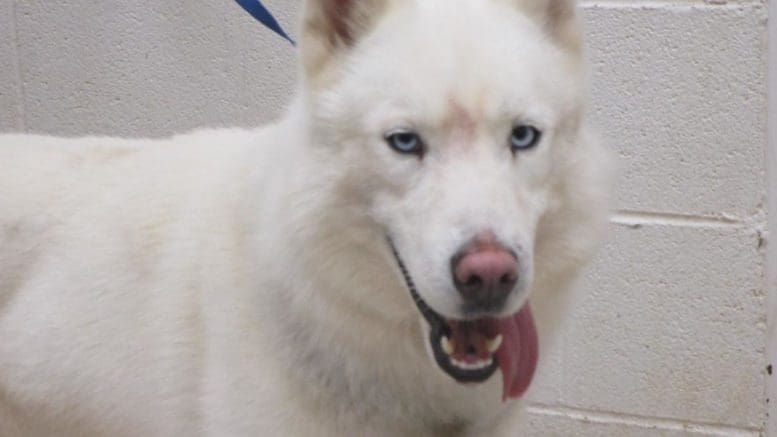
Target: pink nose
[(485, 272)]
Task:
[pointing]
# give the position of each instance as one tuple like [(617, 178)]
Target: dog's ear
[(329, 27), (561, 20)]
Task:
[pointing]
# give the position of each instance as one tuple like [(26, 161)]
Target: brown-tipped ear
[(561, 20), (332, 26), (564, 23)]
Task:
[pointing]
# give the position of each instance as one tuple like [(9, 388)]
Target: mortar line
[(639, 218), (608, 418), (21, 92), (669, 4)]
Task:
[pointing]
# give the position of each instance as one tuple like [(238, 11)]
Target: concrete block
[(150, 69), (680, 93), (671, 323)]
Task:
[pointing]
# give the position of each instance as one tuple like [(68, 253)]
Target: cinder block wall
[(669, 332)]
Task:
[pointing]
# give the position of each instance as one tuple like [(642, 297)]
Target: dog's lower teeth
[(494, 343), (472, 366), (446, 345)]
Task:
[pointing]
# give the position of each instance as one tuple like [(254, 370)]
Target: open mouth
[(470, 351)]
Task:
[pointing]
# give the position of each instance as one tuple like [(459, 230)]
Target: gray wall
[(139, 68), (668, 336)]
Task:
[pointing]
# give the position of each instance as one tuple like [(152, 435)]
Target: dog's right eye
[(406, 142)]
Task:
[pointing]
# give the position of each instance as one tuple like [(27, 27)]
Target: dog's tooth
[(484, 363), (494, 343), (447, 345)]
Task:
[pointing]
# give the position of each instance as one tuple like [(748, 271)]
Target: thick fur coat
[(236, 283)]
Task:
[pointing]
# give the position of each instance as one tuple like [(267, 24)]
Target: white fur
[(240, 283)]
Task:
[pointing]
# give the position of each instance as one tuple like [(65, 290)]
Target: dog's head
[(458, 125)]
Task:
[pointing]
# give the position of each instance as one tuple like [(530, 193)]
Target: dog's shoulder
[(84, 193)]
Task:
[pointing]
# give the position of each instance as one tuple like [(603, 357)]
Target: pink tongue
[(519, 352)]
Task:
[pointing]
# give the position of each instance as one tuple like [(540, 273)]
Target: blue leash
[(264, 16)]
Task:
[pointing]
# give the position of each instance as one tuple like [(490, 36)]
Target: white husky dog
[(367, 266)]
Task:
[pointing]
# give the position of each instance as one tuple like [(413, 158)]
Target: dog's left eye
[(406, 142), (524, 137)]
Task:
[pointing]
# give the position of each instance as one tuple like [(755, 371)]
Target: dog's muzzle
[(470, 351)]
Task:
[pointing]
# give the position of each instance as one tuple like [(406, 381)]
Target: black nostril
[(474, 280)]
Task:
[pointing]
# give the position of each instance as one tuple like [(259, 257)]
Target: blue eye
[(406, 142), (524, 137)]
